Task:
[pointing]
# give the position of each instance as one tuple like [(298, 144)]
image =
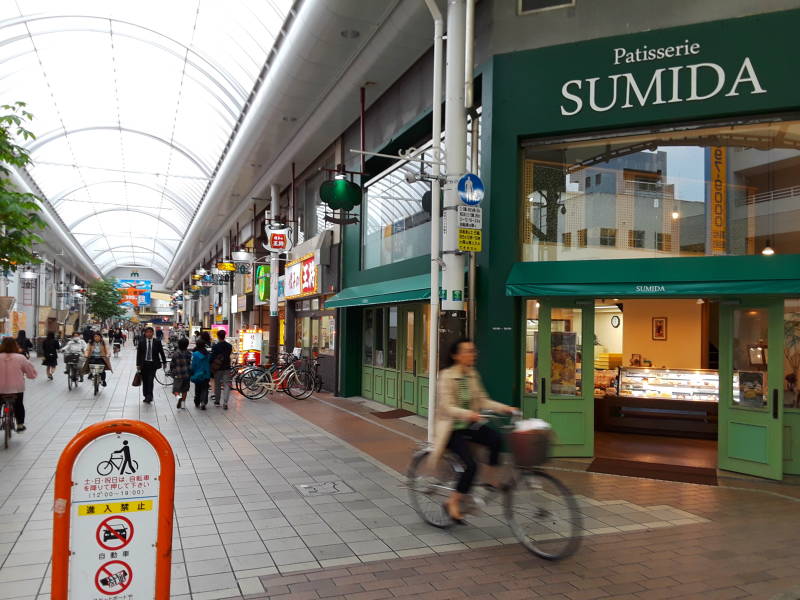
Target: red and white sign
[(113, 577), (114, 533), (278, 240), (301, 277)]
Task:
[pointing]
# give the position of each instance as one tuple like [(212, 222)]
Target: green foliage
[(103, 299), (19, 212)]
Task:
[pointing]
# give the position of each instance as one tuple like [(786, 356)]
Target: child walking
[(181, 368)]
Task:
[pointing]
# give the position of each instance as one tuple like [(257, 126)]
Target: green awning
[(709, 276), (383, 292)]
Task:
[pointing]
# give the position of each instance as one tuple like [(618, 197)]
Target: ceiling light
[(350, 34), (675, 215), (768, 250), (700, 301), (201, 271), (242, 256), (28, 273)]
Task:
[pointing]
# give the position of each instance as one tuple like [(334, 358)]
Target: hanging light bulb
[(675, 214), (768, 250), (28, 273)]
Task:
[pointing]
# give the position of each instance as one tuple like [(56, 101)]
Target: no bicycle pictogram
[(115, 532), (113, 577)]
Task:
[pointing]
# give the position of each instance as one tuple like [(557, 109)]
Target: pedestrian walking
[(50, 349), (25, 345), (201, 374), (221, 369), (181, 369), (149, 359), (159, 334), (14, 368)]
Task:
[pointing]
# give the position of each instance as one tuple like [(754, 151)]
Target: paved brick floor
[(244, 528)]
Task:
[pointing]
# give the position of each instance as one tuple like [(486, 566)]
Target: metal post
[(227, 315), (274, 267), (433, 333)]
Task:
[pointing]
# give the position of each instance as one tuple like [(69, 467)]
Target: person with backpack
[(24, 343), (221, 369), (201, 374), (181, 369)]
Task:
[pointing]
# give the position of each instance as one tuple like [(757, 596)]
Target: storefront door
[(413, 322), (565, 370), (751, 387)]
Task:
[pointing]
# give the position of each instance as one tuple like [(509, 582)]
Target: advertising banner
[(301, 278), (135, 292)]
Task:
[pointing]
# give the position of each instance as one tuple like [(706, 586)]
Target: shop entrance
[(661, 387)]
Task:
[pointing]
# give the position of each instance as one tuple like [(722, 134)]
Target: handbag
[(137, 380)]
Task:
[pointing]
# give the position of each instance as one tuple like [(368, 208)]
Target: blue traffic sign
[(470, 189)]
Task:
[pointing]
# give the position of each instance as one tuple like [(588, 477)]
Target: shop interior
[(655, 374)]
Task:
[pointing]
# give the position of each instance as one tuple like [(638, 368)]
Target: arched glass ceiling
[(134, 103)]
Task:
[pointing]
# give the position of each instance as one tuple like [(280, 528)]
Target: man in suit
[(149, 358)]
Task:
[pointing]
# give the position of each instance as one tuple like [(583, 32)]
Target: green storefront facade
[(648, 167)]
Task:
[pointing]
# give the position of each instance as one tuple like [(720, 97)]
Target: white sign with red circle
[(113, 577), (114, 519)]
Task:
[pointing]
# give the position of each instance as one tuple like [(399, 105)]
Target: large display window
[(728, 189)]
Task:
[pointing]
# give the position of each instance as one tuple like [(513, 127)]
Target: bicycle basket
[(96, 369), (530, 448), (72, 358)]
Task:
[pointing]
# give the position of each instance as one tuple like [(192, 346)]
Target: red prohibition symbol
[(113, 577), (114, 533)]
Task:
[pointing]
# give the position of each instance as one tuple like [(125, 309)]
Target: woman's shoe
[(446, 508)]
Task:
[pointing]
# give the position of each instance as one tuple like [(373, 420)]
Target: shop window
[(531, 346), (565, 344), (391, 338), (566, 239), (662, 183), (582, 237), (636, 238), (750, 357), (664, 242), (379, 350), (307, 333), (327, 335), (608, 236)]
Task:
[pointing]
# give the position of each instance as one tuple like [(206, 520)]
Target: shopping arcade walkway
[(239, 516)]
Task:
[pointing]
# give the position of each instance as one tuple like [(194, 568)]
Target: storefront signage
[(234, 304), (301, 277), (718, 199), (469, 240), (226, 266), (708, 70), (113, 527), (135, 292), (278, 240), (242, 303), (243, 268), (470, 189), (262, 282)]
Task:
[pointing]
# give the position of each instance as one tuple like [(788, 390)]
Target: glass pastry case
[(669, 384)]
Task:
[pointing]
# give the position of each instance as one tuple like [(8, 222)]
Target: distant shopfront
[(655, 177)]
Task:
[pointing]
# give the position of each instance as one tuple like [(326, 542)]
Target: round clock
[(615, 321)]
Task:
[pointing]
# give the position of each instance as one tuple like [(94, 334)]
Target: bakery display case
[(681, 402)]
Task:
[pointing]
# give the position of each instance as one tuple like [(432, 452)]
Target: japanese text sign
[(301, 277)]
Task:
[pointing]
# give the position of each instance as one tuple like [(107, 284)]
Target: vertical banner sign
[(719, 199), (112, 523)]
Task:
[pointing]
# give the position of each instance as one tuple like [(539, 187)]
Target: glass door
[(565, 373), (751, 388), (409, 319)]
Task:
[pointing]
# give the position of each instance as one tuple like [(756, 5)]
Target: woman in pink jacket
[(14, 368)]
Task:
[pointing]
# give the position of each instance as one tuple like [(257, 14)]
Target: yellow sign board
[(719, 199), (115, 507), (469, 240), (226, 266)]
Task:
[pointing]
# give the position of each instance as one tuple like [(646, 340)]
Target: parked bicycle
[(73, 364), (257, 382), (539, 509), (7, 417)]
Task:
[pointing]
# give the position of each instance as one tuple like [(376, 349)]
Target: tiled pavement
[(244, 529)]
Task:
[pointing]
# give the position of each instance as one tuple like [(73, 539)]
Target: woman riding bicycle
[(97, 354), (14, 368), (75, 345), (461, 397)]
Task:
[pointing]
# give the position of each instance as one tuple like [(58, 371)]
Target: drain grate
[(324, 488)]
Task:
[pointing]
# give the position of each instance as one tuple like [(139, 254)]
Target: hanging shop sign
[(234, 304), (262, 282), (301, 277), (278, 240), (250, 342), (241, 302), (226, 266), (112, 528), (196, 277), (666, 75), (243, 268)]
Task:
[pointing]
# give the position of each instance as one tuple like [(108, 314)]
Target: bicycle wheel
[(96, 384), (70, 379), (299, 385), (255, 383), (164, 377), (8, 424), (544, 515), (429, 492), (105, 468)]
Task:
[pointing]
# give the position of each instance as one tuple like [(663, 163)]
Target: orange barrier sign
[(112, 515)]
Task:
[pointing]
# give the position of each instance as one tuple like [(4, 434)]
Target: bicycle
[(72, 362), (540, 510), (7, 417), (113, 464), (116, 349), (257, 382), (96, 372), (163, 376)]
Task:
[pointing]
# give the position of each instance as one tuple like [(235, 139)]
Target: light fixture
[(340, 176), (350, 34), (242, 256), (768, 250), (200, 271), (28, 273), (700, 301), (75, 287), (675, 215)]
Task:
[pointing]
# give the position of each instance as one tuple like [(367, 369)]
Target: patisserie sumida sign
[(709, 70)]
